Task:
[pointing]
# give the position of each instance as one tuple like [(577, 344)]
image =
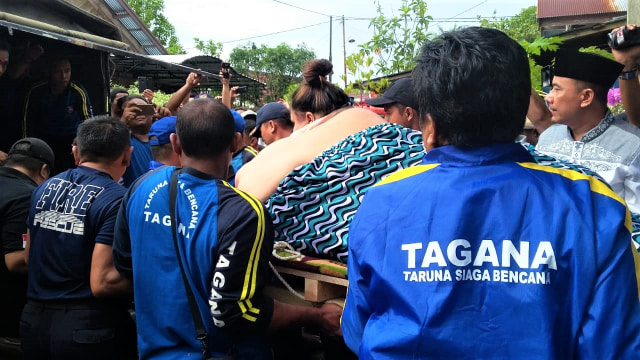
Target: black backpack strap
[(201, 332)]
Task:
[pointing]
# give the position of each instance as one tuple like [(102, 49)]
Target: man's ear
[(410, 113), (586, 97), (45, 172), (175, 144), (429, 133), (76, 156), (237, 143), (126, 156), (273, 127)]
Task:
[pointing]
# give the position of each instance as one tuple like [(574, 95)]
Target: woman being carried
[(314, 180)]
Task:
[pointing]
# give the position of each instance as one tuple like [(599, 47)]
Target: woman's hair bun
[(315, 72)]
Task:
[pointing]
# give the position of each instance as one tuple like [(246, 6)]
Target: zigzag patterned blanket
[(313, 206)]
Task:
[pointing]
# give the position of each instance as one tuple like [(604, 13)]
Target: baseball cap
[(273, 110), (34, 148), (401, 91), (250, 113), (161, 130), (238, 121)]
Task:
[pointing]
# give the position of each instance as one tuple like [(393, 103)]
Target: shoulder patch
[(406, 173)]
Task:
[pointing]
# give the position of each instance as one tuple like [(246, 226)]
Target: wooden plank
[(318, 291), (318, 287), (314, 276)]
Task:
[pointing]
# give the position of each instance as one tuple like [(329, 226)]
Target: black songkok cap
[(586, 67)]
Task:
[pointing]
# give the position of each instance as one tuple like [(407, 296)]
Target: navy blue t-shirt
[(69, 214), (139, 161)]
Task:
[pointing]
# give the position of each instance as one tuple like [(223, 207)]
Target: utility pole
[(330, 41), (344, 49)]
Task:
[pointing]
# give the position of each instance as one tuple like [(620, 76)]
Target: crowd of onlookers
[(474, 209)]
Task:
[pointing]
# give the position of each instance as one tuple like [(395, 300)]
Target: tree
[(280, 65), (150, 12), (397, 41), (209, 47), (523, 26)]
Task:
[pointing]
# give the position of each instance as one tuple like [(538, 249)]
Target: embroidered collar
[(599, 129)]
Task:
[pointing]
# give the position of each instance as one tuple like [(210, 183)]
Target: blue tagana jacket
[(484, 254)]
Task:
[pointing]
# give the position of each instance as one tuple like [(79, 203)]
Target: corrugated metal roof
[(557, 8)]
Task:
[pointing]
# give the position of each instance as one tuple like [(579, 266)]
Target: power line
[(473, 7), (298, 7), (274, 33)]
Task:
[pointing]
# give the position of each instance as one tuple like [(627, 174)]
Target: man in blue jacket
[(479, 252)]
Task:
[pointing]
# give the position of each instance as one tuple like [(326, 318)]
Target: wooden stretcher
[(323, 279)]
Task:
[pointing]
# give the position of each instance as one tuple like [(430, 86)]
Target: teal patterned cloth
[(313, 206), (315, 203)]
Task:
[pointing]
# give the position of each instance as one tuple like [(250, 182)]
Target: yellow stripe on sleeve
[(249, 285), (85, 110)]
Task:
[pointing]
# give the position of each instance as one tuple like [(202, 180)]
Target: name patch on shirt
[(460, 262)]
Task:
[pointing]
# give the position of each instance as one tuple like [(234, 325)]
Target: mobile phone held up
[(147, 109), (241, 90), (225, 68)]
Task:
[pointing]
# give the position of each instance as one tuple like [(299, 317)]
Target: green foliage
[(282, 65), (150, 12), (397, 41), (523, 26), (175, 47), (208, 47), (356, 66), (159, 97), (535, 48), (598, 51)]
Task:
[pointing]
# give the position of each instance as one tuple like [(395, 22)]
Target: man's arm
[(237, 302), (226, 92), (104, 278), (538, 112), (14, 232), (629, 89), (179, 96)]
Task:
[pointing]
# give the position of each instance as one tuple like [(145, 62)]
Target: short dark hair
[(600, 92), (5, 45), (205, 128), (285, 122), (102, 139), (161, 152), (29, 163), (475, 84)]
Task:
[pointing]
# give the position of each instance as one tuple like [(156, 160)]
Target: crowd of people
[(476, 219)]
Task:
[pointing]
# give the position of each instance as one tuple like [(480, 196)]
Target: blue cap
[(238, 121), (161, 130), (271, 111)]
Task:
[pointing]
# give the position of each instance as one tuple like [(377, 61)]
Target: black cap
[(271, 111), (34, 148), (592, 68), (400, 92)]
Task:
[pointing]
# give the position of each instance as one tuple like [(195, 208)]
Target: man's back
[(69, 214), (221, 234), (481, 253)]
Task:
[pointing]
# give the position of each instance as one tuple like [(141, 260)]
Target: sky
[(239, 22)]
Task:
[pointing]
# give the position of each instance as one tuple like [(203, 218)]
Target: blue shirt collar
[(477, 156)]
